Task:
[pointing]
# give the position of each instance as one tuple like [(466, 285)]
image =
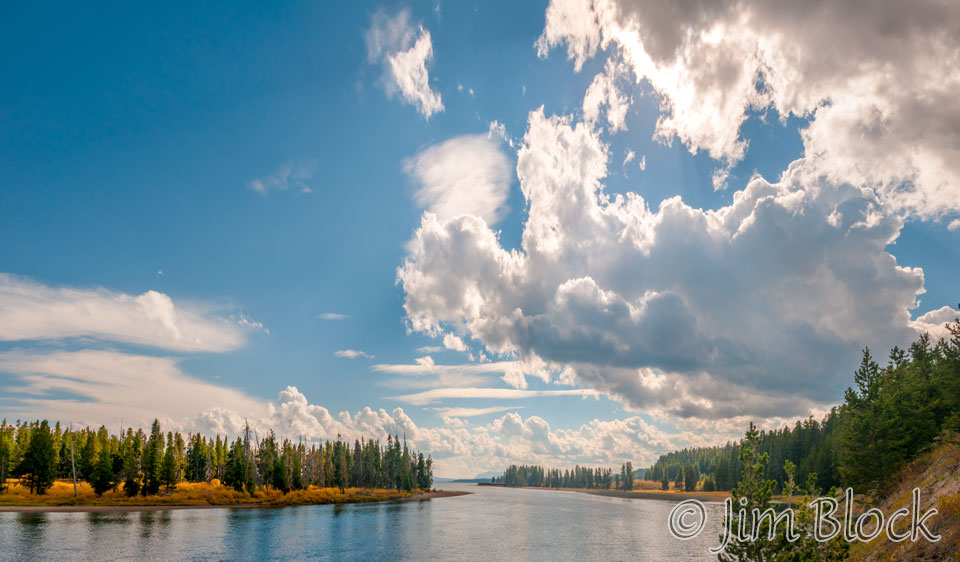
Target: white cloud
[(111, 387), (333, 316), (144, 387), (290, 174), (603, 92), (454, 343), (404, 54), (352, 354), (472, 412), (954, 225), (880, 97), (459, 449), (436, 394), (430, 349), (935, 321), (424, 372), (630, 157), (32, 311), (753, 308), (468, 174)]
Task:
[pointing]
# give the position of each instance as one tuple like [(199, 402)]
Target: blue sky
[(133, 138)]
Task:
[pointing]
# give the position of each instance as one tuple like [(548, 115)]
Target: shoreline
[(175, 507), (645, 494)]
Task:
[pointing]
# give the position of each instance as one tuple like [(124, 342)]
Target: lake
[(491, 524)]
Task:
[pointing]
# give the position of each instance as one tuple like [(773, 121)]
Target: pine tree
[(131, 463), (752, 492), (39, 464), (152, 460), (103, 476), (168, 471), (87, 456), (690, 477)]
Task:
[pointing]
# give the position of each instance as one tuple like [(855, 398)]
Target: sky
[(575, 232)]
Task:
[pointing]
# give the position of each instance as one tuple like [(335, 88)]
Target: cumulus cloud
[(461, 450), (935, 322), (33, 311), (603, 92), (755, 308), (145, 387), (352, 354), (404, 53), (454, 343), (291, 174), (876, 81), (468, 174)]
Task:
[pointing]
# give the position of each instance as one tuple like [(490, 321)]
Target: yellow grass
[(190, 493)]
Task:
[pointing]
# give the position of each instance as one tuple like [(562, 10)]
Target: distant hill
[(482, 477)]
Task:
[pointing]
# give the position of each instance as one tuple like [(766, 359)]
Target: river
[(491, 524)]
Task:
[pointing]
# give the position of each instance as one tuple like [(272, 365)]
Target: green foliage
[(894, 412), (146, 463), (6, 452), (103, 477), (752, 497), (168, 469), (132, 450), (152, 461), (752, 492), (626, 475), (39, 464), (690, 477), (888, 417), (578, 477)]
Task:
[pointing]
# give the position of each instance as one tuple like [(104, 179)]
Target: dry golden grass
[(190, 493)]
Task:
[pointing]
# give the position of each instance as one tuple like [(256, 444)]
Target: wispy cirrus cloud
[(33, 311), (437, 394), (352, 354), (105, 387), (290, 174), (333, 316), (448, 412)]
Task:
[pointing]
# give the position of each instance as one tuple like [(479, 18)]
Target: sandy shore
[(129, 508)]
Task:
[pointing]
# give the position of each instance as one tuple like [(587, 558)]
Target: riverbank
[(203, 495), (648, 494)]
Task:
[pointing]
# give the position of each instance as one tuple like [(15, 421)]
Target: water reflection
[(491, 524)]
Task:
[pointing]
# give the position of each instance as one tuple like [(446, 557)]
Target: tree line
[(579, 477), (891, 414), (144, 463)]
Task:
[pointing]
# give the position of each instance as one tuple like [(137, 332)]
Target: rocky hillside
[(937, 474)]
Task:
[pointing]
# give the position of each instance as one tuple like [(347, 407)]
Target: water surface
[(491, 524)]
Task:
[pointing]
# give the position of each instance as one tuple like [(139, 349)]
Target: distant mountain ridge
[(482, 477)]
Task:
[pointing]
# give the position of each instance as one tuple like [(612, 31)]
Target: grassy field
[(190, 494)]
